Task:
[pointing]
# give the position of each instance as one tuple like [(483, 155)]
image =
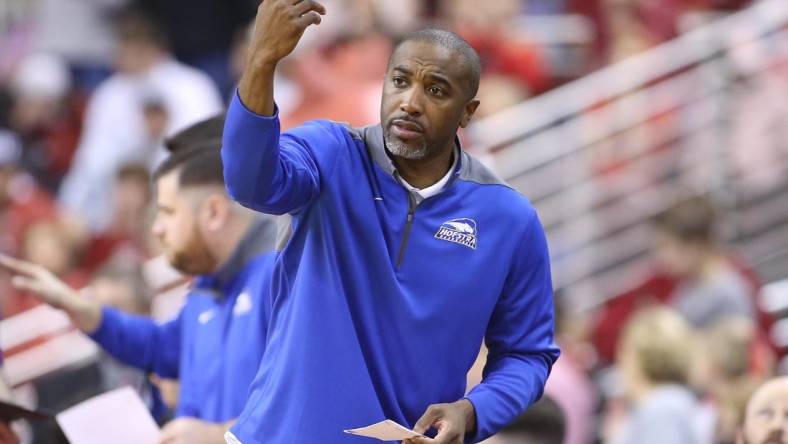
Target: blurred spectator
[(80, 32), (22, 202), (513, 69), (542, 423), (129, 228), (655, 357), (202, 32), (725, 375), (766, 420), (46, 116), (122, 287), (692, 273), (117, 129), (569, 385)]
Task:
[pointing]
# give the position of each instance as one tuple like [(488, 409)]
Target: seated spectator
[(22, 201), (725, 374), (691, 273), (117, 127), (127, 233), (122, 287), (46, 115), (569, 384), (766, 420), (542, 423), (655, 356)]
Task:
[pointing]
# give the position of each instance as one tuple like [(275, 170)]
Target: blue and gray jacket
[(380, 304), (215, 344)]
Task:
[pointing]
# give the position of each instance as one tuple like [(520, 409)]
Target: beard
[(402, 149), (195, 257)]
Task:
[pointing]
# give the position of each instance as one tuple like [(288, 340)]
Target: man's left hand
[(192, 431), (452, 421)]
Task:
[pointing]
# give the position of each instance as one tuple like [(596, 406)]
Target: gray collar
[(376, 145), (258, 239)]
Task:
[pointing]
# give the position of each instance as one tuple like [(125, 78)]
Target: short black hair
[(206, 131), (453, 42), (196, 154), (543, 423)]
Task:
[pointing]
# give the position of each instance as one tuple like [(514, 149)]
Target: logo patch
[(206, 316), (243, 304), (460, 231)]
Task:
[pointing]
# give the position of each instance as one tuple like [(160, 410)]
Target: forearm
[(140, 342), (256, 88), (85, 314), (510, 385)]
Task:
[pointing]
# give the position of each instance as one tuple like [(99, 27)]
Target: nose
[(157, 228), (412, 102)]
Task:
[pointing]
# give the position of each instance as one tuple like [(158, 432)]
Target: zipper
[(408, 225)]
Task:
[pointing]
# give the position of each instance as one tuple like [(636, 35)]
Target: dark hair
[(455, 43), (137, 26), (206, 131), (543, 423), (691, 220), (133, 171), (195, 154)]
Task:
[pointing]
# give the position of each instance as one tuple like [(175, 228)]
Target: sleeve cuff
[(108, 316), (238, 103)]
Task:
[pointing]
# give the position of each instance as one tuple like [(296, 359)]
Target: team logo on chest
[(460, 231)]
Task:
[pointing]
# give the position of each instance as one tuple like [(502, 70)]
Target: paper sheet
[(118, 417), (387, 430)]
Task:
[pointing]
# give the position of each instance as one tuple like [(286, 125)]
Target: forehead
[(429, 56), (772, 395)]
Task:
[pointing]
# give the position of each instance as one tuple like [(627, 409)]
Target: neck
[(231, 237), (422, 173)]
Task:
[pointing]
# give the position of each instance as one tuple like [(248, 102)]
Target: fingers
[(305, 6), (427, 419), (26, 284), (18, 266)]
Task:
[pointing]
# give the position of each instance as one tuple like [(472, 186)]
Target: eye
[(399, 81), (435, 91)]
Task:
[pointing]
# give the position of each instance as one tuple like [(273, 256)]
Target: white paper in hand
[(387, 430), (118, 417)]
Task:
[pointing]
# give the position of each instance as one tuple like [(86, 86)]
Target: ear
[(216, 212), (470, 108)]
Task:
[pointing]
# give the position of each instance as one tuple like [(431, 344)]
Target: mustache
[(406, 118)]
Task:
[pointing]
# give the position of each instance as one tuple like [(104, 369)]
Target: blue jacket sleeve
[(520, 339), (273, 173), (140, 342)]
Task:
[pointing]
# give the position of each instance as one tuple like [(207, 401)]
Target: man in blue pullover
[(214, 345), (403, 253)]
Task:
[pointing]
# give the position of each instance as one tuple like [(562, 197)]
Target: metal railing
[(698, 115)]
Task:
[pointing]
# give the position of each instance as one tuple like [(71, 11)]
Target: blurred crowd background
[(652, 136)]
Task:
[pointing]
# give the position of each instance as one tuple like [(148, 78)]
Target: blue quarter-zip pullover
[(380, 304)]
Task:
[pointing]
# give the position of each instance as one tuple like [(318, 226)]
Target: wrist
[(84, 313), (469, 413)]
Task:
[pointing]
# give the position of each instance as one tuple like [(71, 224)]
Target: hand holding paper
[(387, 430)]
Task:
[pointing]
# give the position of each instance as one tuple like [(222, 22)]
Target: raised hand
[(278, 28)]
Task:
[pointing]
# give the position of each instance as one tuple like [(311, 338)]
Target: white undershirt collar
[(433, 189)]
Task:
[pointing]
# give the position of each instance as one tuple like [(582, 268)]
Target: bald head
[(467, 56), (766, 419)]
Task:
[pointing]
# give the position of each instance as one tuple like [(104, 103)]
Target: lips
[(406, 129)]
